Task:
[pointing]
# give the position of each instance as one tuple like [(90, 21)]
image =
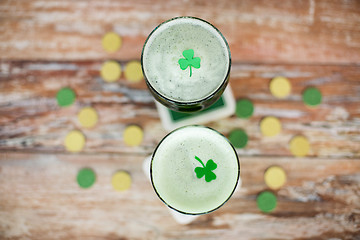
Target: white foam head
[(173, 170), (165, 47)]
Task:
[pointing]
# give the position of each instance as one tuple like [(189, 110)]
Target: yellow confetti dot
[(110, 71), (74, 141), (111, 42), (88, 117), (270, 126), (275, 177), (133, 71), (299, 146), (280, 87), (133, 135), (121, 181)]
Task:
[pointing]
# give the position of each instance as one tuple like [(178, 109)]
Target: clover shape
[(206, 170), (189, 60)]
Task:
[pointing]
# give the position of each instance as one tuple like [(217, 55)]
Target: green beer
[(194, 170), (186, 63)]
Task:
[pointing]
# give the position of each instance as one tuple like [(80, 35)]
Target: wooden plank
[(305, 31), (31, 120), (40, 199), (46, 45)]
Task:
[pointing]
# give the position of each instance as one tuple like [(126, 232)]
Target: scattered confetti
[(275, 177), (65, 97), (110, 71), (238, 138), (270, 126), (88, 117), (244, 108), (280, 87), (133, 135), (86, 177), (111, 42), (299, 146), (312, 96), (74, 141), (133, 71), (121, 181), (266, 201)]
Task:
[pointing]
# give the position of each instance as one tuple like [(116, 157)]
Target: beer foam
[(165, 47), (173, 164)]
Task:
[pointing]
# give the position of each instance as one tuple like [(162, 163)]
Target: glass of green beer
[(194, 170), (186, 64)]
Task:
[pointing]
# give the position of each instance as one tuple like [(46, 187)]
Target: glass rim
[(223, 83), (237, 179)]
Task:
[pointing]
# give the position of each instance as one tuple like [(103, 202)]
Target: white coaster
[(179, 217), (223, 108)]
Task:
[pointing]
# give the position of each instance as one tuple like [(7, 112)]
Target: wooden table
[(46, 45)]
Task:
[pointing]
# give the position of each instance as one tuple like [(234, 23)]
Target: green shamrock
[(189, 60), (206, 170)]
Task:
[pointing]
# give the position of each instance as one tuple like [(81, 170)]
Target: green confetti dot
[(244, 108), (238, 138), (65, 97), (312, 96), (86, 177), (266, 201)]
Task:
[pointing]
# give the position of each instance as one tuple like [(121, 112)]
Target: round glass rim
[(224, 82), (237, 178)]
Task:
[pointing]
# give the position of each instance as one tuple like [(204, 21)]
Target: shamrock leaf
[(211, 165), (200, 172), (206, 170), (183, 63), (210, 176), (189, 60)]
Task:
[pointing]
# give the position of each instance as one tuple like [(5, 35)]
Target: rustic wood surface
[(304, 31), (46, 45)]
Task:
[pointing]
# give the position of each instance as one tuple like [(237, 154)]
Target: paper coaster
[(270, 126), (121, 181), (133, 135), (86, 177), (133, 72), (266, 201), (312, 96), (88, 117), (111, 42), (238, 138), (65, 97), (110, 71), (74, 141), (223, 108), (244, 108), (280, 87), (275, 177), (299, 146)]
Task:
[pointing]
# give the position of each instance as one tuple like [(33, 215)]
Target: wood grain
[(320, 200), (31, 120), (47, 45), (305, 31)]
